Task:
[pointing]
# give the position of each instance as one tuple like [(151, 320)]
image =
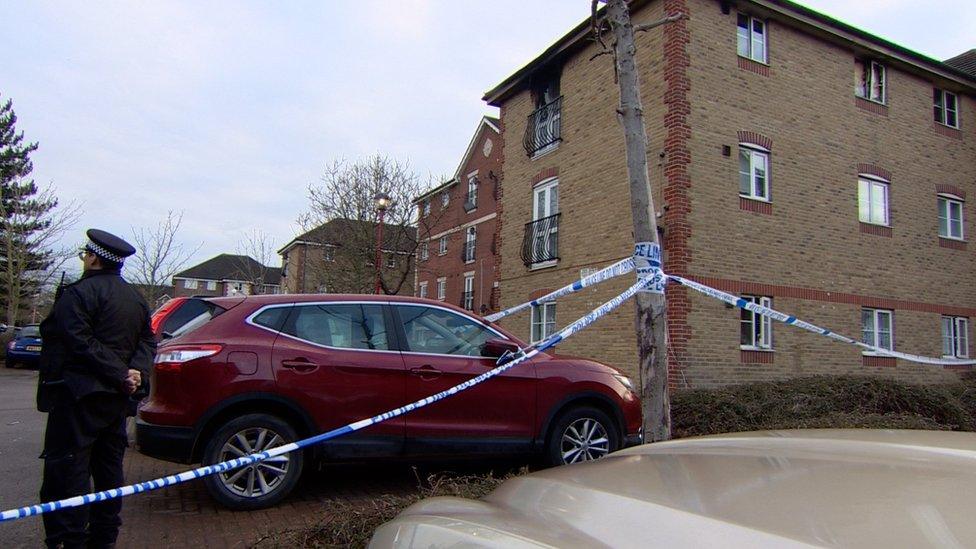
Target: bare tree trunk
[(651, 308)]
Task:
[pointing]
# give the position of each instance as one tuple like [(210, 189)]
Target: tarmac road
[(20, 445)]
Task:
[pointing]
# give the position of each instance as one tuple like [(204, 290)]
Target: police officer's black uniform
[(97, 331)]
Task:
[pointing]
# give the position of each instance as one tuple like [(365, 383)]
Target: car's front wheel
[(261, 484), (581, 434)]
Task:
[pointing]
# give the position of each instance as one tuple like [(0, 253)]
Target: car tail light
[(172, 359), (161, 313), (12, 344)]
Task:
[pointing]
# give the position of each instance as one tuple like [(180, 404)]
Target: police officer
[(98, 348)]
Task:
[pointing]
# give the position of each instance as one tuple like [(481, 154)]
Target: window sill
[(952, 243), (544, 150), (875, 229), (871, 105), (543, 265), (468, 261), (751, 65), (756, 205)]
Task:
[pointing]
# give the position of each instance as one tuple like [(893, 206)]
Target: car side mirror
[(494, 348)]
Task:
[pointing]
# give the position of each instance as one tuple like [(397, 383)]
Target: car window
[(439, 331), (272, 318), (30, 331), (191, 309), (349, 326)]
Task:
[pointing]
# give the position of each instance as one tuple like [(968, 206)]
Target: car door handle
[(426, 372), (299, 365)]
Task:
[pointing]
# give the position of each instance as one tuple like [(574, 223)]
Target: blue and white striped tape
[(621, 267), (199, 472)]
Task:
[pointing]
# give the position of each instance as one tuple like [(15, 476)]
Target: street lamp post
[(381, 201)]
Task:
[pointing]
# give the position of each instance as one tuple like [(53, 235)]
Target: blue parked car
[(25, 347)]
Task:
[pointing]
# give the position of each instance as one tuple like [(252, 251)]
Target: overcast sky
[(229, 110)]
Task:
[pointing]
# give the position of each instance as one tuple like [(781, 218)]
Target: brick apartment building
[(227, 274), (794, 160), (337, 257), (457, 260)]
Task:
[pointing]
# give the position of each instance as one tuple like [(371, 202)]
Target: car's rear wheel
[(261, 484), (581, 434)]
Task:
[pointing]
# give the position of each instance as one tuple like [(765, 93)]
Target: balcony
[(467, 251), (542, 132), (541, 241), (467, 301)]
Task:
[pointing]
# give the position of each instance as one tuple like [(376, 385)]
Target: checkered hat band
[(102, 252)]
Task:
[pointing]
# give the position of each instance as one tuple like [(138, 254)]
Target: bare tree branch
[(669, 19), (259, 246), (158, 255)]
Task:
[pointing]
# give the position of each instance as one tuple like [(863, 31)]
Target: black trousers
[(84, 442)]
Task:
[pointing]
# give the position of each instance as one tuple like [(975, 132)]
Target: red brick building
[(794, 160), (457, 259)]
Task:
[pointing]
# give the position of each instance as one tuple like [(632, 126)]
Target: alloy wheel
[(585, 439), (257, 479)]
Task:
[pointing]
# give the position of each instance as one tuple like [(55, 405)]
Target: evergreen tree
[(23, 216)]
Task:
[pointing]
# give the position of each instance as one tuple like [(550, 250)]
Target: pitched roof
[(486, 122), (965, 62), (336, 231), (230, 267)]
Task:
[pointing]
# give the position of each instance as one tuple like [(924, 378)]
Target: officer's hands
[(133, 381)]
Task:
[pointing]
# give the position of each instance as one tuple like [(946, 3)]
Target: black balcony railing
[(543, 128), (541, 241), (467, 251), (467, 301)]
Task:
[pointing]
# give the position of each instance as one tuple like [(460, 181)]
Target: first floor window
[(955, 336), (423, 251), (443, 246), (946, 108), (753, 173), (756, 331), (329, 253), (469, 242), (467, 299), (872, 200), (751, 38), (876, 328), (442, 288), (950, 217), (211, 285), (423, 290), (391, 263), (190, 284), (543, 321)]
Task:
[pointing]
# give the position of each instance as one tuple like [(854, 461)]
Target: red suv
[(260, 371)]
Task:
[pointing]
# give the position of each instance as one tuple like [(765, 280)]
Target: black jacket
[(97, 330)]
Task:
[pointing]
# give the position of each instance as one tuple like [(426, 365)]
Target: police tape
[(513, 360), (793, 321), (621, 267)]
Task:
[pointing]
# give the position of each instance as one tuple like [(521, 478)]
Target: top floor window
[(751, 38), (426, 211), (946, 108), (424, 252), (471, 202), (869, 81), (542, 134), (445, 199), (329, 253)]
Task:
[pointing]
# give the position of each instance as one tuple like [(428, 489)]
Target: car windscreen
[(30, 331), (192, 314)]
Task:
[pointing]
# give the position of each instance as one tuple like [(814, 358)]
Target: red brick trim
[(773, 290), (677, 182), (871, 106), (947, 131), (878, 230), (941, 188), (876, 171), (545, 174), (536, 294), (756, 139), (753, 66), (756, 357), (757, 206), (879, 361), (952, 244)]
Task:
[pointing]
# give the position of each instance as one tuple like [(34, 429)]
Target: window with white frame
[(211, 285), (756, 331), (751, 38), (946, 108), (955, 336), (545, 224), (190, 284), (473, 190), (872, 200), (445, 199), (442, 288), (543, 321), (443, 246), (469, 244), (869, 81), (950, 217), (426, 208), (422, 290), (467, 298), (876, 328), (753, 172), (424, 252)]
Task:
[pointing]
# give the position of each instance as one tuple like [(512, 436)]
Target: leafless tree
[(259, 246), (651, 308), (32, 222), (346, 196), (159, 255)]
